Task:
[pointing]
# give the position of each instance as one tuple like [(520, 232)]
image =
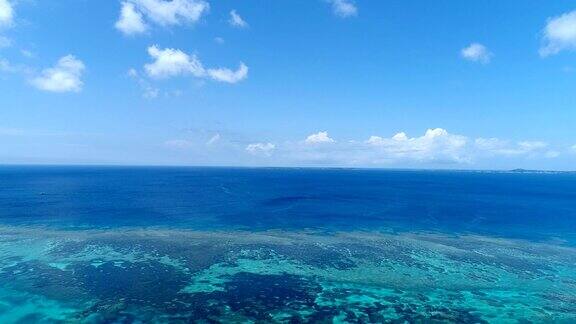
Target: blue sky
[(423, 84)]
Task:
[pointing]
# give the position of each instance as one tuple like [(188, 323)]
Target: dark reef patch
[(257, 296)]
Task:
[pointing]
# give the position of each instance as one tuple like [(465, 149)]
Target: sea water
[(151, 244)]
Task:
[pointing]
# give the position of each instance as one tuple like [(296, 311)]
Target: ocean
[(285, 245)]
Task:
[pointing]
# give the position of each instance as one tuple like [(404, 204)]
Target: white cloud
[(343, 8), (171, 62), (135, 14), (148, 91), (497, 146), (530, 146), (559, 34), (130, 21), (173, 12), (178, 144), (213, 140), (5, 42), (320, 137), (219, 40), (476, 52), (435, 145), (229, 76), (6, 14), (265, 149), (236, 20), (64, 77)]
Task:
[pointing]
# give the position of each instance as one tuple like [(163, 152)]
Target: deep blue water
[(519, 205)]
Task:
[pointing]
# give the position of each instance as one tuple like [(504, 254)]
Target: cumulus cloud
[(476, 52), (171, 62), (65, 76), (131, 21), (343, 8), (173, 12), (435, 144), (135, 14), (236, 20), (265, 149), (6, 14), (320, 137), (559, 34), (229, 76)]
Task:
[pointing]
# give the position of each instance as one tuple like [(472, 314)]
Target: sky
[(345, 83)]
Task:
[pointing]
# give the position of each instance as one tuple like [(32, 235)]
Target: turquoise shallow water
[(159, 275), (201, 245)]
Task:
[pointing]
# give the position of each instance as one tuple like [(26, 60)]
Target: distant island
[(537, 171)]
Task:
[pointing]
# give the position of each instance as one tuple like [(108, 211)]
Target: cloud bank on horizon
[(436, 146)]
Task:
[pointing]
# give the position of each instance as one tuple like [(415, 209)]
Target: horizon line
[(118, 165)]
